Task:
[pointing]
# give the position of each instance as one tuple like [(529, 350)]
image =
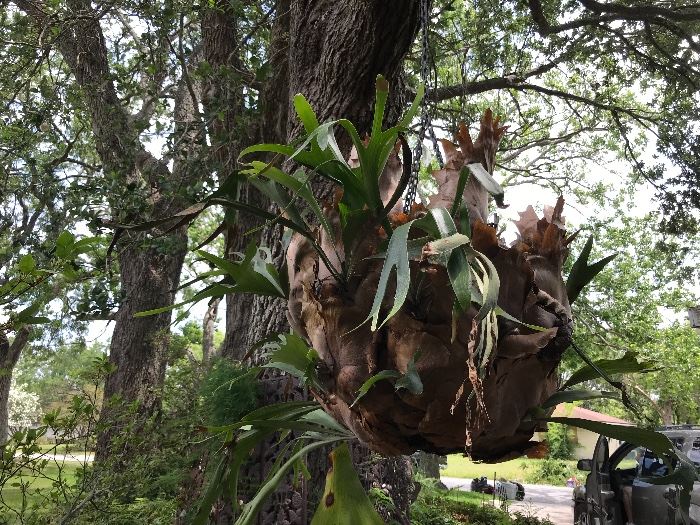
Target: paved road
[(81, 457), (544, 501)]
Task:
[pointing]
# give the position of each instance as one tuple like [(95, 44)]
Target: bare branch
[(611, 12)]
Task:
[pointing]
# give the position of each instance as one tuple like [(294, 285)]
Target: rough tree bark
[(9, 354), (331, 52), (229, 132), (149, 270)]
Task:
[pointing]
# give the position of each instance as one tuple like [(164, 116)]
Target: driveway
[(543, 501)]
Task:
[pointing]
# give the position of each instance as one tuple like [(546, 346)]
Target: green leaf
[(211, 494), (299, 184), (29, 312), (650, 439), (293, 355), (569, 396), (415, 106), (685, 473), (253, 274), (290, 409), (624, 365), (230, 188), (213, 290), (440, 224), (344, 501), (459, 194), (396, 257), (323, 420), (490, 282), (64, 244), (369, 383), (280, 197), (305, 112), (322, 162), (26, 264), (582, 273), (502, 313), (85, 245), (411, 380)]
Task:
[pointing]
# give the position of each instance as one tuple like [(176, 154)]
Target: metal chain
[(434, 140), (412, 188)]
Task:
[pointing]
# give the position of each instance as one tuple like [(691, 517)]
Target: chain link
[(424, 16)]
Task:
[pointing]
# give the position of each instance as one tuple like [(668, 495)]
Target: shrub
[(559, 442), (151, 512), (227, 393), (550, 472)]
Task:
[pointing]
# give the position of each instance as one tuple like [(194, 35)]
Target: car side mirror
[(584, 464)]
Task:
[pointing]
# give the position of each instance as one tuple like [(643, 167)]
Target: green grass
[(12, 496), (521, 469), (439, 507)]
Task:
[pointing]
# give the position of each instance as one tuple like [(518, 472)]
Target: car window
[(694, 452), (630, 460), (678, 442), (652, 466)]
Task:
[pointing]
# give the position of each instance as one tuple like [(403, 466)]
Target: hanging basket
[(459, 402)]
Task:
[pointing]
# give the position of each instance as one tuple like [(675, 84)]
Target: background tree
[(126, 112), (639, 304)]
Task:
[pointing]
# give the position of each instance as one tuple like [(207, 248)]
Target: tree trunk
[(139, 346), (334, 52), (208, 329), (428, 465), (9, 354), (150, 274), (150, 269), (229, 132)]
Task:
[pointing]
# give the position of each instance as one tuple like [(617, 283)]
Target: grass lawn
[(453, 507), (460, 496), (515, 469), (12, 496)]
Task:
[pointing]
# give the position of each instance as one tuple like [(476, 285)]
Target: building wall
[(586, 441)]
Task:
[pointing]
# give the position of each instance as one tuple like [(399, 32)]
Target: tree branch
[(489, 84), (609, 13), (683, 14)]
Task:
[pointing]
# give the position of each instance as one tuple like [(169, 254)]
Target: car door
[(599, 493), (649, 505)]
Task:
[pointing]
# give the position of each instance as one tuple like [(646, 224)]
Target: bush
[(550, 471), (227, 393), (142, 511), (559, 442)]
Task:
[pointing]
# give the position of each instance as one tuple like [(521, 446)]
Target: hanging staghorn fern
[(427, 306), (419, 331), (427, 331)]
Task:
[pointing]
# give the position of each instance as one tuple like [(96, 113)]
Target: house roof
[(583, 413)]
